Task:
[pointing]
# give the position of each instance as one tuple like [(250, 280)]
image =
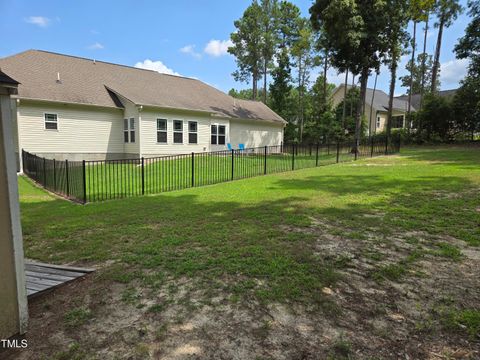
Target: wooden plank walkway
[(44, 277)]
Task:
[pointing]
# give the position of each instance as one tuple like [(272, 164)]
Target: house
[(13, 295), (75, 108), (376, 108), (416, 98)]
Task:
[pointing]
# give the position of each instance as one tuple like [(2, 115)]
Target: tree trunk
[(265, 82), (300, 97), (360, 106), (393, 72), (325, 68), (414, 45), (436, 59), (422, 90), (344, 113), (371, 107), (351, 103), (254, 86)]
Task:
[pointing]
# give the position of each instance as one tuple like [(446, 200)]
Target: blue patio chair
[(241, 146), (229, 146)]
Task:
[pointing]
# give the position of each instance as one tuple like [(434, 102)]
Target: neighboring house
[(13, 293), (376, 115), (77, 108), (416, 98)]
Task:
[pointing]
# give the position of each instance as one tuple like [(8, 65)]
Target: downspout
[(139, 137)]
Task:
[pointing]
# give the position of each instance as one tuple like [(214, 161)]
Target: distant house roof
[(416, 97), (90, 82), (380, 100)]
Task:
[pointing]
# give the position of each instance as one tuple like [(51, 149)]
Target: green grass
[(249, 237), (77, 316)]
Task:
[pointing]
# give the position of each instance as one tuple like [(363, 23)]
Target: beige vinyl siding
[(255, 133), (130, 111), (81, 129), (149, 145)]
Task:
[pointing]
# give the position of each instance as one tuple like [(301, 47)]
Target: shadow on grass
[(226, 238)]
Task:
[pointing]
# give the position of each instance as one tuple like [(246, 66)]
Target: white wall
[(81, 129), (253, 133)]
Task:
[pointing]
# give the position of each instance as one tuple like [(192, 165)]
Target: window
[(214, 134), (132, 130), (125, 130), (218, 135), (378, 122), (177, 131), (51, 122), (161, 131), (221, 135), (192, 132), (397, 121)]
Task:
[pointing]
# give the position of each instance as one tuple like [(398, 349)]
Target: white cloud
[(96, 46), (190, 49), (218, 47), (38, 20), (157, 66), (451, 72)]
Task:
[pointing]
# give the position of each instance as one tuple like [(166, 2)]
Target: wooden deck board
[(42, 277)]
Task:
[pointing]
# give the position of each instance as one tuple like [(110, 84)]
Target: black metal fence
[(99, 180)]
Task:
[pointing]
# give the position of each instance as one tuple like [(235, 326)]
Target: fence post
[(265, 161), (386, 145), (233, 157), (44, 173), (193, 169), (338, 151), (84, 182), (66, 176), (143, 175), (371, 146), (54, 176), (357, 147), (293, 157), (316, 157)]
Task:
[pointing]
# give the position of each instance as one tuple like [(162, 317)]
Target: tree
[(302, 52), (447, 12), (322, 125), (281, 86), (349, 104), (413, 80), (269, 23), (436, 118), (467, 98), (247, 49), (397, 15), (419, 10), (354, 32)]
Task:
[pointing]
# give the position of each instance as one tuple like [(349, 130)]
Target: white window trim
[(45, 121), (189, 132), (218, 134), (177, 131), (166, 131), (126, 131), (130, 129)]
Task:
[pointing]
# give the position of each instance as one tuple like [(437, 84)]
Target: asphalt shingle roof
[(85, 81)]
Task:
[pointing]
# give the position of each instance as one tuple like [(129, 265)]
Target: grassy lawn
[(352, 260)]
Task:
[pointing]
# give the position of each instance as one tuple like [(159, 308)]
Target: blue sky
[(183, 36)]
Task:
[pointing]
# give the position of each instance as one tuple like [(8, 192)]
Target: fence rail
[(99, 180)]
